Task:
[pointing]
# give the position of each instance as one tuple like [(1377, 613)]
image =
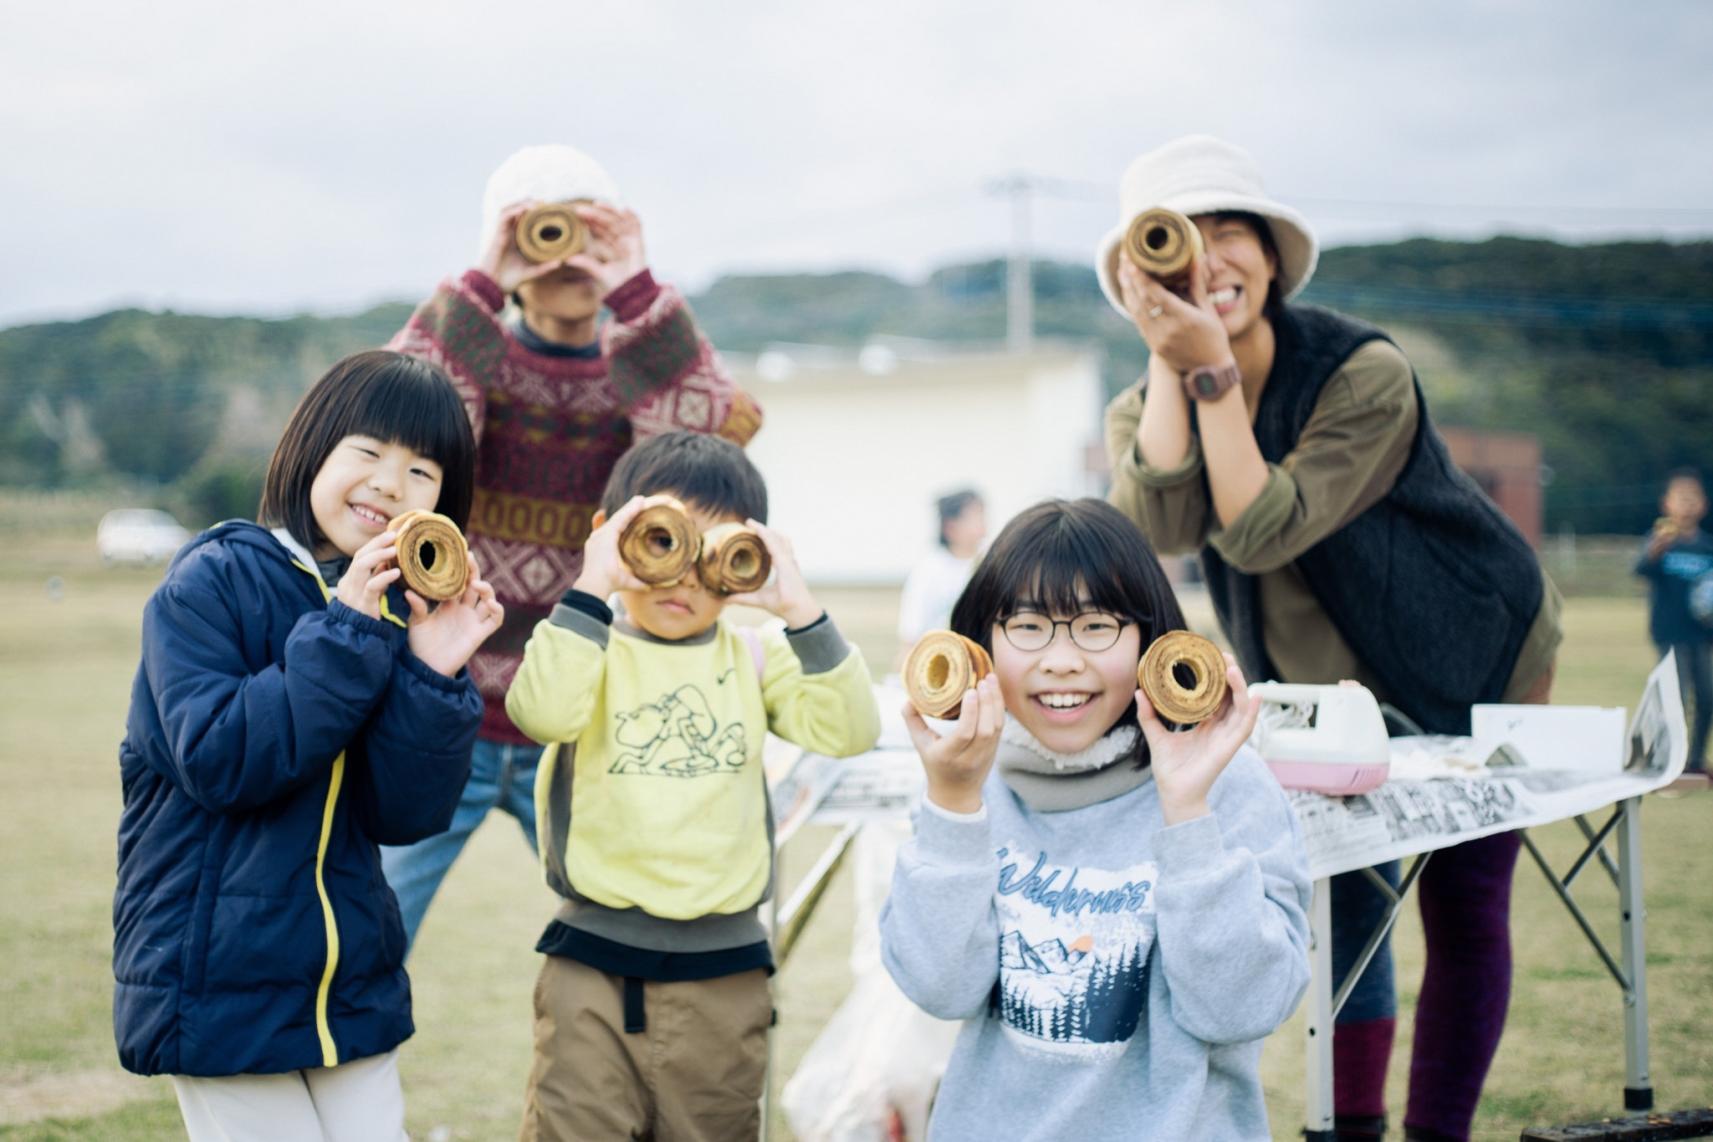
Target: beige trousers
[(693, 1074)]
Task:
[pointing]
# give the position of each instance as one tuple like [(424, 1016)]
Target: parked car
[(138, 536)]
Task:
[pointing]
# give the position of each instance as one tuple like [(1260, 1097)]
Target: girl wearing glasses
[(1117, 912)]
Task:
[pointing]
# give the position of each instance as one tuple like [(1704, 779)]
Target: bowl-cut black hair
[(395, 399), (713, 474)]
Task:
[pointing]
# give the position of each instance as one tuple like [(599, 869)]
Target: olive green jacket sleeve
[(1347, 458), (1171, 506)]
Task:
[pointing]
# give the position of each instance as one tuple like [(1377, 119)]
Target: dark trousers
[(1695, 679), (1465, 898)]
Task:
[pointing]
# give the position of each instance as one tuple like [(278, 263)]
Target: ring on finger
[(1156, 310)]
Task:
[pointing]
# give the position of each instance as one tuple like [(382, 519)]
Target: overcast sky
[(225, 157)]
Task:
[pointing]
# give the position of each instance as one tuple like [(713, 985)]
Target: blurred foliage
[(1604, 352), (220, 488)]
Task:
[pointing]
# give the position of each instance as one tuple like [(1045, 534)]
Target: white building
[(856, 446)]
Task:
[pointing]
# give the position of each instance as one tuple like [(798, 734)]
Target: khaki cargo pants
[(693, 1074)]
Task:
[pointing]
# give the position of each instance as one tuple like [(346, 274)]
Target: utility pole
[(1019, 288)]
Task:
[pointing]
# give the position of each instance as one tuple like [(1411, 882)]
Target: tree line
[(1605, 352)]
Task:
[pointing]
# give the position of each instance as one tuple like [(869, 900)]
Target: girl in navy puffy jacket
[(294, 709)]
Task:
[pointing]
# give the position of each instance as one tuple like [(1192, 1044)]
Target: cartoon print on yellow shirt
[(677, 736)]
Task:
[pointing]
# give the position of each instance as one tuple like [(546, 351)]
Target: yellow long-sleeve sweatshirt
[(651, 805)]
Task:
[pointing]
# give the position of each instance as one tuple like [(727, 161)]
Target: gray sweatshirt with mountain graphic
[(1115, 976)]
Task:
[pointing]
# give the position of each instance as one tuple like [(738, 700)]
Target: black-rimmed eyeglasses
[(1093, 631)]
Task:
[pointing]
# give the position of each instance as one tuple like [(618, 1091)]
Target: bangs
[(390, 397), (696, 468), (1074, 573), (1064, 557), (407, 402)]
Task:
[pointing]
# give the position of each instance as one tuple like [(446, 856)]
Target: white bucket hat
[(548, 173), (1199, 174)]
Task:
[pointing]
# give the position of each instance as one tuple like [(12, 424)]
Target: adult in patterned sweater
[(556, 395)]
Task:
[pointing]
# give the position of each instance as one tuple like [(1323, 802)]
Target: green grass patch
[(65, 674)]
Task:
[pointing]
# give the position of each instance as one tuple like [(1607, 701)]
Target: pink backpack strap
[(757, 654)]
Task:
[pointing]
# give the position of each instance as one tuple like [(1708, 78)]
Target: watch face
[(1206, 382)]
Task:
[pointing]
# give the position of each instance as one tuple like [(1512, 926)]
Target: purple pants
[(1465, 899)]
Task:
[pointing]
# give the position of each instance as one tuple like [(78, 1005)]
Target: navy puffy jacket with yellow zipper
[(274, 739)]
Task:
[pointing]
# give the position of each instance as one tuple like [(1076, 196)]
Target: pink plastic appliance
[(1325, 739)]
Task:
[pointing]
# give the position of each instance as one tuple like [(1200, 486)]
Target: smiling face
[(687, 608), (1068, 697), (1241, 267), (362, 485)]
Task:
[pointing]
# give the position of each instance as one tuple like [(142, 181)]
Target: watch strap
[(1205, 383)]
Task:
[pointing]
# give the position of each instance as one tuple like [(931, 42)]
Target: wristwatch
[(1208, 383)]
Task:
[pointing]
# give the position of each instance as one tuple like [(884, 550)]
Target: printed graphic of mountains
[(1049, 957)]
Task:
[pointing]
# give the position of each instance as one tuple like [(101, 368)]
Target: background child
[(934, 584), (1677, 555), (652, 1008), (278, 730), (1119, 917), (555, 397)]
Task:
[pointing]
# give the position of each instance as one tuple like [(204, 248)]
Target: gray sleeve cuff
[(1190, 846), (819, 646), (581, 622), (945, 838)]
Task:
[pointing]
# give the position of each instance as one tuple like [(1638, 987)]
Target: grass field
[(66, 661)]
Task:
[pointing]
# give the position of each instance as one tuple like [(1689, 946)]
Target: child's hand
[(1187, 763), (371, 572), (447, 636), (604, 570), (614, 254), (785, 593), (502, 260), (957, 762), (1664, 534)]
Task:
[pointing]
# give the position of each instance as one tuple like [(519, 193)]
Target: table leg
[(1318, 1060), (1638, 1085)]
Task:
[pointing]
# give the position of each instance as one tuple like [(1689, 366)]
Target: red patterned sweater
[(549, 431)]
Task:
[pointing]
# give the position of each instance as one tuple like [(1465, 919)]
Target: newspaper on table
[(1523, 766)]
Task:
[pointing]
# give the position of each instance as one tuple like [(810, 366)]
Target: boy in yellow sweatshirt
[(652, 1008)]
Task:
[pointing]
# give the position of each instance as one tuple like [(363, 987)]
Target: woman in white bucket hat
[(1289, 446)]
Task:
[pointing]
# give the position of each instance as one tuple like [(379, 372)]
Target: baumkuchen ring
[(941, 667), (432, 557), (1163, 243), (548, 233), (1183, 677), (733, 560), (659, 545)]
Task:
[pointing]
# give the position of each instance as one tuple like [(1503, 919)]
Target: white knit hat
[(549, 173), (1199, 174)]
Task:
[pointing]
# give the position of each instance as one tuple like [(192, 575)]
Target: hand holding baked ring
[(550, 232), (660, 544), (940, 669), (1163, 243), (1183, 676), (433, 559), (734, 560)]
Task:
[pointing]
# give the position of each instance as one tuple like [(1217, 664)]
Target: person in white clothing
[(935, 583)]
